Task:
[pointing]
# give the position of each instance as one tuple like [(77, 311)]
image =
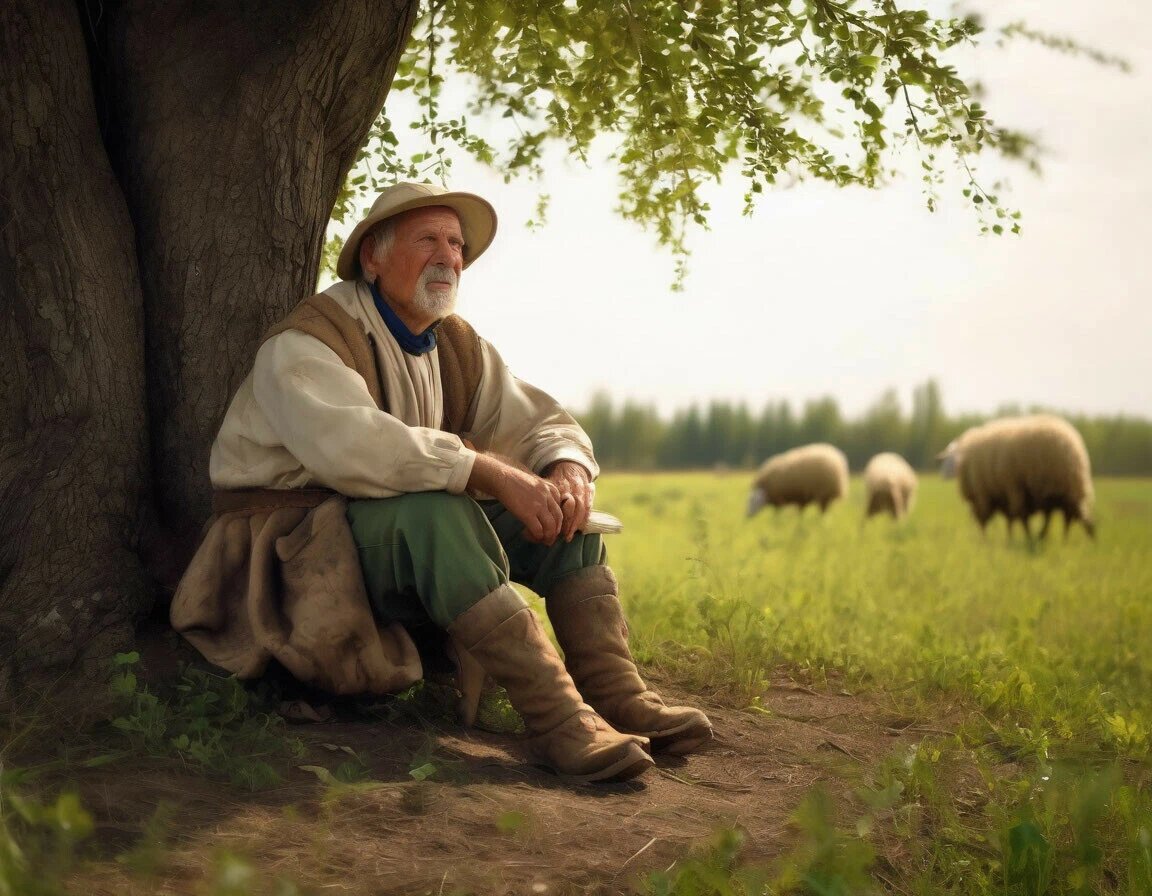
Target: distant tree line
[(634, 436)]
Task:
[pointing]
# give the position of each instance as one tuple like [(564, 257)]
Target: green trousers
[(429, 556)]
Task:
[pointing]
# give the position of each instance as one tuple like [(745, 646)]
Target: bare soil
[(487, 822)]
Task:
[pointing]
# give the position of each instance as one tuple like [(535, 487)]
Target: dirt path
[(486, 823)]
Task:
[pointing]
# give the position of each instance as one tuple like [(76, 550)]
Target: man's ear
[(367, 263)]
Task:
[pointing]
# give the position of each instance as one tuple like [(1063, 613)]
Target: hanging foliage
[(682, 94)]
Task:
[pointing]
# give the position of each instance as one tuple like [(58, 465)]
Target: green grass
[(1041, 652), (1054, 638)]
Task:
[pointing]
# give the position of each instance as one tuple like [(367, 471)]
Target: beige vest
[(461, 361)]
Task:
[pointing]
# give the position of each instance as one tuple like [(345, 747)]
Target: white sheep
[(889, 485), (1020, 466), (810, 474)]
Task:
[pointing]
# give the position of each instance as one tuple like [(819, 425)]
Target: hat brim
[(477, 224)]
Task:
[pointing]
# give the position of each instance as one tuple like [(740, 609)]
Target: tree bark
[(141, 261), (73, 460), (234, 125)]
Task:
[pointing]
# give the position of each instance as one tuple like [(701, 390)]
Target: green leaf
[(325, 776), (511, 821), (423, 772), (71, 817)]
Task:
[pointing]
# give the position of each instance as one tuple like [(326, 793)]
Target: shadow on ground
[(484, 821)]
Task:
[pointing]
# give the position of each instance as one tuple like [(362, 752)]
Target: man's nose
[(446, 253)]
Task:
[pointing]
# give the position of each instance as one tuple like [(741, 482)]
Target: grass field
[(1015, 681), (1037, 656), (1055, 637)]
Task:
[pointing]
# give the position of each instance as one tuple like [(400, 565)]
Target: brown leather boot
[(505, 636), (590, 626)]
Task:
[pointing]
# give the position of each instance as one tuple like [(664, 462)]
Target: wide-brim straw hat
[(477, 220)]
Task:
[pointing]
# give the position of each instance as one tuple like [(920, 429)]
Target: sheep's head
[(949, 459), (756, 500)]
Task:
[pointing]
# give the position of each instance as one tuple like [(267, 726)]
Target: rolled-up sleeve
[(323, 413), (516, 419)]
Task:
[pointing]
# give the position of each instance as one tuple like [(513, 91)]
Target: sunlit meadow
[(1038, 654)]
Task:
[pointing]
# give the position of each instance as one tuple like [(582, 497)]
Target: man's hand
[(576, 492), (533, 500)]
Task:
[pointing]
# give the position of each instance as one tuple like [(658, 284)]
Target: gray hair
[(383, 235)]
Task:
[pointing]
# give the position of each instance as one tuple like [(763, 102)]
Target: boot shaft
[(589, 623), (503, 634)]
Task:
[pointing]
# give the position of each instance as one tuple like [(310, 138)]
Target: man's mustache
[(439, 272)]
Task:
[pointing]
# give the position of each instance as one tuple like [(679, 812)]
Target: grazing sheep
[(890, 485), (810, 474), (1020, 466)]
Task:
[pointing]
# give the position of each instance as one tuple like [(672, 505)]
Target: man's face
[(420, 271)]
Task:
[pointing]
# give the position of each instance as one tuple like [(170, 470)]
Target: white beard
[(436, 304)]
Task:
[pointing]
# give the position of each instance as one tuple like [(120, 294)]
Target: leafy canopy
[(686, 92)]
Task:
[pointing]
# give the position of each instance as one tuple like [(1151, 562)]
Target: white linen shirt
[(302, 418)]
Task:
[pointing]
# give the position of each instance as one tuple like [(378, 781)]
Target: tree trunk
[(233, 135), (132, 295), (73, 459)]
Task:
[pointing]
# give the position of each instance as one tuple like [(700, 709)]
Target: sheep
[(1020, 466), (889, 485), (816, 473)]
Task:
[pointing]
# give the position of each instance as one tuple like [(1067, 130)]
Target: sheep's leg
[(1047, 520), (1016, 509)]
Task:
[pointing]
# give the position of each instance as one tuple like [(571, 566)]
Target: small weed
[(739, 642), (144, 859), (353, 770), (208, 721), (427, 764), (1067, 825), (424, 703), (511, 822), (712, 871), (38, 840), (826, 861), (234, 875), (497, 715)]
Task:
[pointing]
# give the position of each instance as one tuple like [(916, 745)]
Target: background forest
[(634, 436)]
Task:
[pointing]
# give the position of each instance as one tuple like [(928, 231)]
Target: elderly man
[(380, 471)]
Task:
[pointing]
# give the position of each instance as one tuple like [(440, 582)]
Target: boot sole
[(678, 743), (623, 770)]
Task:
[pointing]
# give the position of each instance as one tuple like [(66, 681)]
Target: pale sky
[(848, 293)]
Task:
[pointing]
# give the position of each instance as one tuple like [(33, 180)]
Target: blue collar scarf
[(412, 343)]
